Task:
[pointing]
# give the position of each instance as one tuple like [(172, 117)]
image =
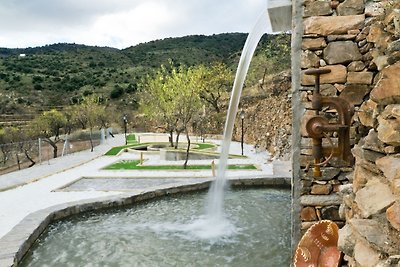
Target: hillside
[(35, 79)]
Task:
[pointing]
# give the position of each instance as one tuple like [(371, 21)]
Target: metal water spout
[(319, 127), (280, 15)]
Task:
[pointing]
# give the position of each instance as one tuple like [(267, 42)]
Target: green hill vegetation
[(175, 85), (37, 79)]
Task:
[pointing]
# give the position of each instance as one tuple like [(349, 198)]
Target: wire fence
[(21, 155)]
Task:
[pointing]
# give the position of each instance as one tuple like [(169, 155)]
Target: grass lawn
[(202, 146), (115, 150), (132, 142), (134, 165), (131, 139)]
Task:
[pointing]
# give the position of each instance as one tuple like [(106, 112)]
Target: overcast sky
[(120, 23)]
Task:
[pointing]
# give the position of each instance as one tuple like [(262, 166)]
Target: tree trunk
[(5, 156), (91, 141), (178, 133), (53, 144), (18, 161), (29, 158), (171, 137), (55, 151), (187, 149)]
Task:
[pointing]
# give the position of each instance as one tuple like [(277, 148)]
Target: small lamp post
[(125, 119), (203, 121), (242, 118)]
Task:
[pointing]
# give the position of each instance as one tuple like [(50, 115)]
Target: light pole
[(125, 119), (242, 118)]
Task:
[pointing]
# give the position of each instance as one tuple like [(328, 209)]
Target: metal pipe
[(318, 126)]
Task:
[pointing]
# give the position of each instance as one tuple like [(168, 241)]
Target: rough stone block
[(379, 36), (365, 255), (341, 37), (367, 113), (395, 186), (364, 77), (328, 200), (366, 48), (390, 166), (360, 177), (317, 8), (389, 125), (375, 233), (313, 43), (319, 189), (372, 142), (356, 66), (309, 60), (338, 74), (387, 89), (392, 149), (381, 62), (341, 52), (339, 87), (374, 198), (374, 9), (325, 26), (346, 240), (328, 90), (393, 215), (350, 7), (355, 93), (330, 213), (365, 154), (308, 214)]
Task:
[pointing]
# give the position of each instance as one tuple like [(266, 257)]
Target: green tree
[(157, 101), (48, 126), (172, 98), (90, 113), (215, 84)]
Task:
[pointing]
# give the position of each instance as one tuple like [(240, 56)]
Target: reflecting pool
[(168, 232)]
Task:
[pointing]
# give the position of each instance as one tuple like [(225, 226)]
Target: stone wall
[(371, 204), (359, 43)]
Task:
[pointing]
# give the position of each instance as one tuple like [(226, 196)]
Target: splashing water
[(215, 204), (216, 194), (214, 225)]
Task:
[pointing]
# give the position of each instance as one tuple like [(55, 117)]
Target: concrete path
[(27, 191)]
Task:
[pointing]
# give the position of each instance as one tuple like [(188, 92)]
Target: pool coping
[(16, 243)]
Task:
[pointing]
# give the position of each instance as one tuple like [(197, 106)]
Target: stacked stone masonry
[(360, 43)]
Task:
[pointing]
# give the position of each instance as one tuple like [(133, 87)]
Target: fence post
[(40, 150), (102, 136), (65, 147)]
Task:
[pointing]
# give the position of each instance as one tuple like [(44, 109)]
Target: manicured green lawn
[(115, 150), (132, 142), (134, 165), (202, 146), (131, 139)]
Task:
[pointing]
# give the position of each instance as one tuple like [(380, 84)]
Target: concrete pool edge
[(16, 243)]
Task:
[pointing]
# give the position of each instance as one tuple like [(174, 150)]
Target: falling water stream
[(214, 221)]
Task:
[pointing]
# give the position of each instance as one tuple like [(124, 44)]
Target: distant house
[(22, 55)]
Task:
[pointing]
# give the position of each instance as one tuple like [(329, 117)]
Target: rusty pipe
[(318, 126), (316, 101)]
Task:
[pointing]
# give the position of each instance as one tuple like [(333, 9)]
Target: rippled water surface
[(171, 232)]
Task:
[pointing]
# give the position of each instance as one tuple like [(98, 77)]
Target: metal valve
[(319, 127)]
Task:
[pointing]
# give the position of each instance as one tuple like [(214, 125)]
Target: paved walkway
[(46, 168), (27, 191)]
